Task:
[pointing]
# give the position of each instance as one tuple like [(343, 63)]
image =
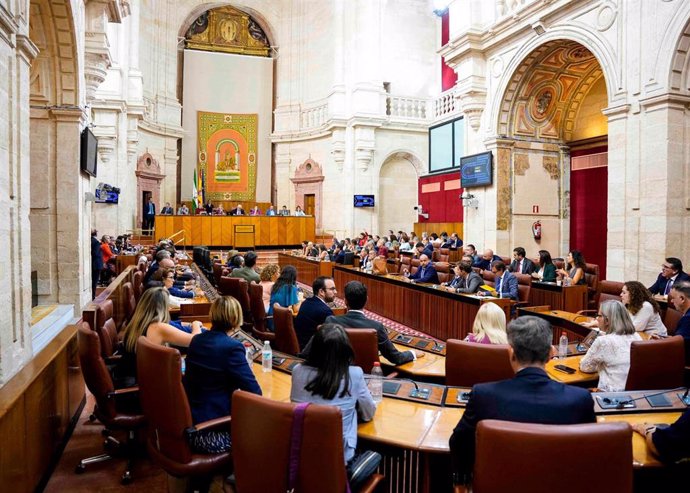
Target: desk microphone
[(620, 404), (417, 393)]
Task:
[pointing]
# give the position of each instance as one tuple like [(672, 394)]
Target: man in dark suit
[(521, 264), (506, 283), (466, 280), (96, 261), (237, 211), (149, 216), (454, 242), (486, 260), (314, 311), (167, 210), (671, 273), (680, 297), (529, 397), (356, 298), (425, 273)]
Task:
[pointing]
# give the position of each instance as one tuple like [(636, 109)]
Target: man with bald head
[(426, 272), (486, 260)]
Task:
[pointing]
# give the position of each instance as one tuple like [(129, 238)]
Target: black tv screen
[(107, 197), (89, 148), (364, 201), (476, 170)]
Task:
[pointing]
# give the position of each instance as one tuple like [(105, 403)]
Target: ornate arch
[(149, 179), (407, 155), (599, 48), (308, 180), (679, 70)]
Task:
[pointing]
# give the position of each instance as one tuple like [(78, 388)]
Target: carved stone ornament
[(550, 164), (521, 164)]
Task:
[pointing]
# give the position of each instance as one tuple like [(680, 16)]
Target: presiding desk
[(238, 231), (427, 308), (308, 269)]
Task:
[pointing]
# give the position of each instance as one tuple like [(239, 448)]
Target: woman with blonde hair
[(610, 354), (489, 325), (151, 319), (216, 367)]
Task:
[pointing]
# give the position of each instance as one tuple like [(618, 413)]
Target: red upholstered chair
[(217, 272), (285, 336), (128, 302), (257, 421), (607, 291), (468, 363), (671, 319), (592, 278), (559, 263), (444, 254), (528, 457), (114, 408), (259, 317), (656, 364), (524, 288), (238, 289), (405, 263), (365, 345), (443, 270), (137, 284), (414, 265), (166, 408), (489, 277)]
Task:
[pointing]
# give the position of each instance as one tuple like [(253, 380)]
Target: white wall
[(224, 83)]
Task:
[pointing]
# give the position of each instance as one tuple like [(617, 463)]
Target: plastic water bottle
[(266, 357), (249, 351), (183, 365), (563, 346), (376, 383)]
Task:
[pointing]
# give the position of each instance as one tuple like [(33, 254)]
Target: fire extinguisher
[(536, 230)]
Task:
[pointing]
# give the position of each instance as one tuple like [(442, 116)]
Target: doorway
[(309, 204)]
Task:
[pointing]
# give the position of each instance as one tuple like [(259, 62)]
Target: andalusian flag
[(196, 193)]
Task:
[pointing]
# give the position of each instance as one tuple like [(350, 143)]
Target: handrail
[(182, 240)]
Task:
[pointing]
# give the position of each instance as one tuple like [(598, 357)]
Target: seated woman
[(489, 325), (269, 274), (299, 211), (576, 269), (323, 252), (216, 366), (166, 276), (284, 291), (327, 378), (643, 308), (546, 271), (610, 354), (151, 319)]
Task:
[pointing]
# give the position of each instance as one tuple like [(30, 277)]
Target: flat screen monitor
[(107, 197), (88, 154), (476, 170), (364, 201)]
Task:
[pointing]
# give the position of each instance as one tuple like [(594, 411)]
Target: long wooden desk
[(238, 231), (436, 312), (567, 298), (308, 269)]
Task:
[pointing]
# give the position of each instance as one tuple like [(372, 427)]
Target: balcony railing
[(314, 116), (445, 104), (407, 107)]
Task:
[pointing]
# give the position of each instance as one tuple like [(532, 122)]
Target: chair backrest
[(104, 311), (137, 284), (609, 290), (524, 286), (444, 254), (671, 319), (414, 265), (256, 305), (107, 334), (435, 255), (443, 271), (238, 289), (96, 374), (510, 454), (163, 400), (506, 261), (559, 263), (468, 363), (592, 279), (656, 364), (261, 431), (405, 263), (217, 272), (129, 303), (489, 277), (285, 336), (143, 267), (365, 345)]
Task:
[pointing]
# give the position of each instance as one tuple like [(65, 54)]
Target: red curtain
[(588, 211), (448, 75)]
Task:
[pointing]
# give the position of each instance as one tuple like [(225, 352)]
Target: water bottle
[(266, 357), (563, 346), (249, 352), (183, 365), (376, 383)]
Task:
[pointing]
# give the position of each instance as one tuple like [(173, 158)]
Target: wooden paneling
[(570, 298), (438, 228)]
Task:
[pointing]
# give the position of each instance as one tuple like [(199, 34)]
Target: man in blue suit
[(671, 273), (529, 397), (486, 260), (314, 311), (426, 272), (506, 283)]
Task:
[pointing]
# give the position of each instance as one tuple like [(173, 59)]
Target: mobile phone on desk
[(565, 369)]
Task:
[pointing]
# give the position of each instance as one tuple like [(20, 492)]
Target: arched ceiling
[(546, 92)]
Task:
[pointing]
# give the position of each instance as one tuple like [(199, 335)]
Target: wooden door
[(310, 204)]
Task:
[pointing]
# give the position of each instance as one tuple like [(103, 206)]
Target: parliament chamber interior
[(397, 246)]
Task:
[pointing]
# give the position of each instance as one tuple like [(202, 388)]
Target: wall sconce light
[(469, 200)]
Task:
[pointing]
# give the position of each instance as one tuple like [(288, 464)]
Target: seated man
[(486, 260), (506, 283), (466, 280), (356, 298), (471, 251), (247, 271), (520, 263), (237, 211), (680, 297), (183, 210), (314, 311), (167, 210), (530, 397), (671, 273), (425, 273), (270, 211), (454, 242), (670, 444)]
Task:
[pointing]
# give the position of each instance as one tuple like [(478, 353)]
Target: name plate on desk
[(422, 343), (644, 401)]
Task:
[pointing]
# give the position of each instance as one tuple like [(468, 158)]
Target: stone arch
[(601, 50), (407, 155), (398, 171), (679, 69)]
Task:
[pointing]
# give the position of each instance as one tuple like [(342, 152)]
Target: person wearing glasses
[(610, 354), (314, 311), (671, 273)]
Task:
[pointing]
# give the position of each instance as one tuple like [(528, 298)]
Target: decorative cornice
[(675, 101), (74, 114), (26, 48), (161, 129), (8, 26)]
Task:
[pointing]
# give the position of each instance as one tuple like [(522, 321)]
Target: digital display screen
[(364, 201), (476, 170), (106, 197)]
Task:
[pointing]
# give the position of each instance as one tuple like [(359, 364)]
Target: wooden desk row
[(238, 231), (308, 269)]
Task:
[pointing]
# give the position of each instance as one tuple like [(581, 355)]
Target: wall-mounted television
[(364, 201), (476, 170), (107, 196), (89, 155)]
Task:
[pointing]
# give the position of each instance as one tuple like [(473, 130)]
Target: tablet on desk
[(404, 339)]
